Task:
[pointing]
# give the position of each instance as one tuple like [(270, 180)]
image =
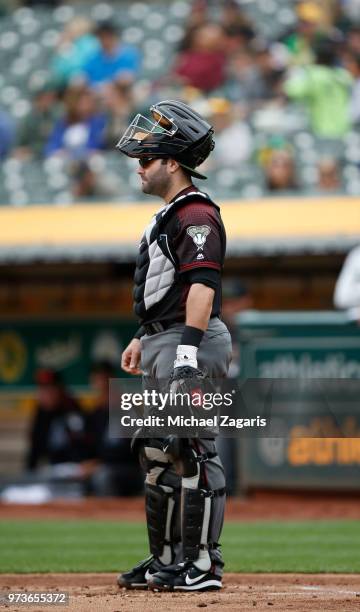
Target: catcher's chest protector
[(156, 264)]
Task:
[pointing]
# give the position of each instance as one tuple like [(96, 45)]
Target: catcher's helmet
[(175, 131)]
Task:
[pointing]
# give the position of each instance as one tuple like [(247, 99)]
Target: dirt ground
[(241, 592), (260, 505)]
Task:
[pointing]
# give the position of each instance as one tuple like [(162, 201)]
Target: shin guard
[(159, 503), (202, 518)]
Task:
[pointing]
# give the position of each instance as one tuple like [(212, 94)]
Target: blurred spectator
[(113, 469), (234, 140), (237, 38), (7, 133), (310, 25), (88, 185), (254, 75), (237, 27), (353, 39), (198, 16), (271, 63), (203, 64), (231, 16), (76, 45), (341, 21), (352, 63), (347, 289), (58, 427), (280, 172), (330, 11), (81, 129), (324, 89), (113, 60), (329, 178), (118, 99), (38, 124), (244, 82)]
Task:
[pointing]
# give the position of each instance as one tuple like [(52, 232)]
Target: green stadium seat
[(179, 9), (63, 14), (138, 11), (133, 35), (102, 11)]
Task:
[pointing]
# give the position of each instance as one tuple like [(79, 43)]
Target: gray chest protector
[(156, 264)]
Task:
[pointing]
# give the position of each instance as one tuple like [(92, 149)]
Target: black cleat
[(138, 576), (184, 577)]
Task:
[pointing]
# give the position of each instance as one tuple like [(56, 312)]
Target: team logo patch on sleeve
[(199, 233)]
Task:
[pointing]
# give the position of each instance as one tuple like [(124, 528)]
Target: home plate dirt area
[(241, 592)]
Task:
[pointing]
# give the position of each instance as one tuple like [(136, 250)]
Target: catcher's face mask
[(142, 128)]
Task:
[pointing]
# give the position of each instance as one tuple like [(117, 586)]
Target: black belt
[(158, 326)]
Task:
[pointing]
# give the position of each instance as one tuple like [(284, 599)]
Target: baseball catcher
[(181, 339)]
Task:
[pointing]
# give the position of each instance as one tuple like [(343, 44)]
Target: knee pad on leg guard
[(152, 460), (182, 454), (159, 503)]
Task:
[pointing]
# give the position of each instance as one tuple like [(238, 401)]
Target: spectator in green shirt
[(325, 91), (37, 125), (309, 26)]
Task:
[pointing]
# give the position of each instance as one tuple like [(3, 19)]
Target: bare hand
[(130, 359)]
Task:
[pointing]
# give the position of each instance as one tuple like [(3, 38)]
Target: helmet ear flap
[(200, 150)]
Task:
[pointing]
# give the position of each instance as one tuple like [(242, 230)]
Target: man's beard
[(157, 185)]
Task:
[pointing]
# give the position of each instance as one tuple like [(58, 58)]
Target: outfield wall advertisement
[(323, 451), (69, 346)]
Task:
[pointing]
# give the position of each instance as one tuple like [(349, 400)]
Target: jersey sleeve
[(197, 242), (206, 276)]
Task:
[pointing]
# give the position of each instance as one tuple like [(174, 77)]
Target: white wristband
[(186, 356)]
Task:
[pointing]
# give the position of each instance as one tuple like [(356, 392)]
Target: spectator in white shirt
[(352, 63), (347, 289)]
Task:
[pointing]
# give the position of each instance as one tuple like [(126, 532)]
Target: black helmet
[(176, 131)]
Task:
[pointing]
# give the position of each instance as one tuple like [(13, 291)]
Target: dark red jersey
[(184, 244)]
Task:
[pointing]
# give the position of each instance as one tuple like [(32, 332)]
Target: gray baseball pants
[(158, 353)]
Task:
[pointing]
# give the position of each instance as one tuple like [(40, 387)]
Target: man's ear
[(173, 165)]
